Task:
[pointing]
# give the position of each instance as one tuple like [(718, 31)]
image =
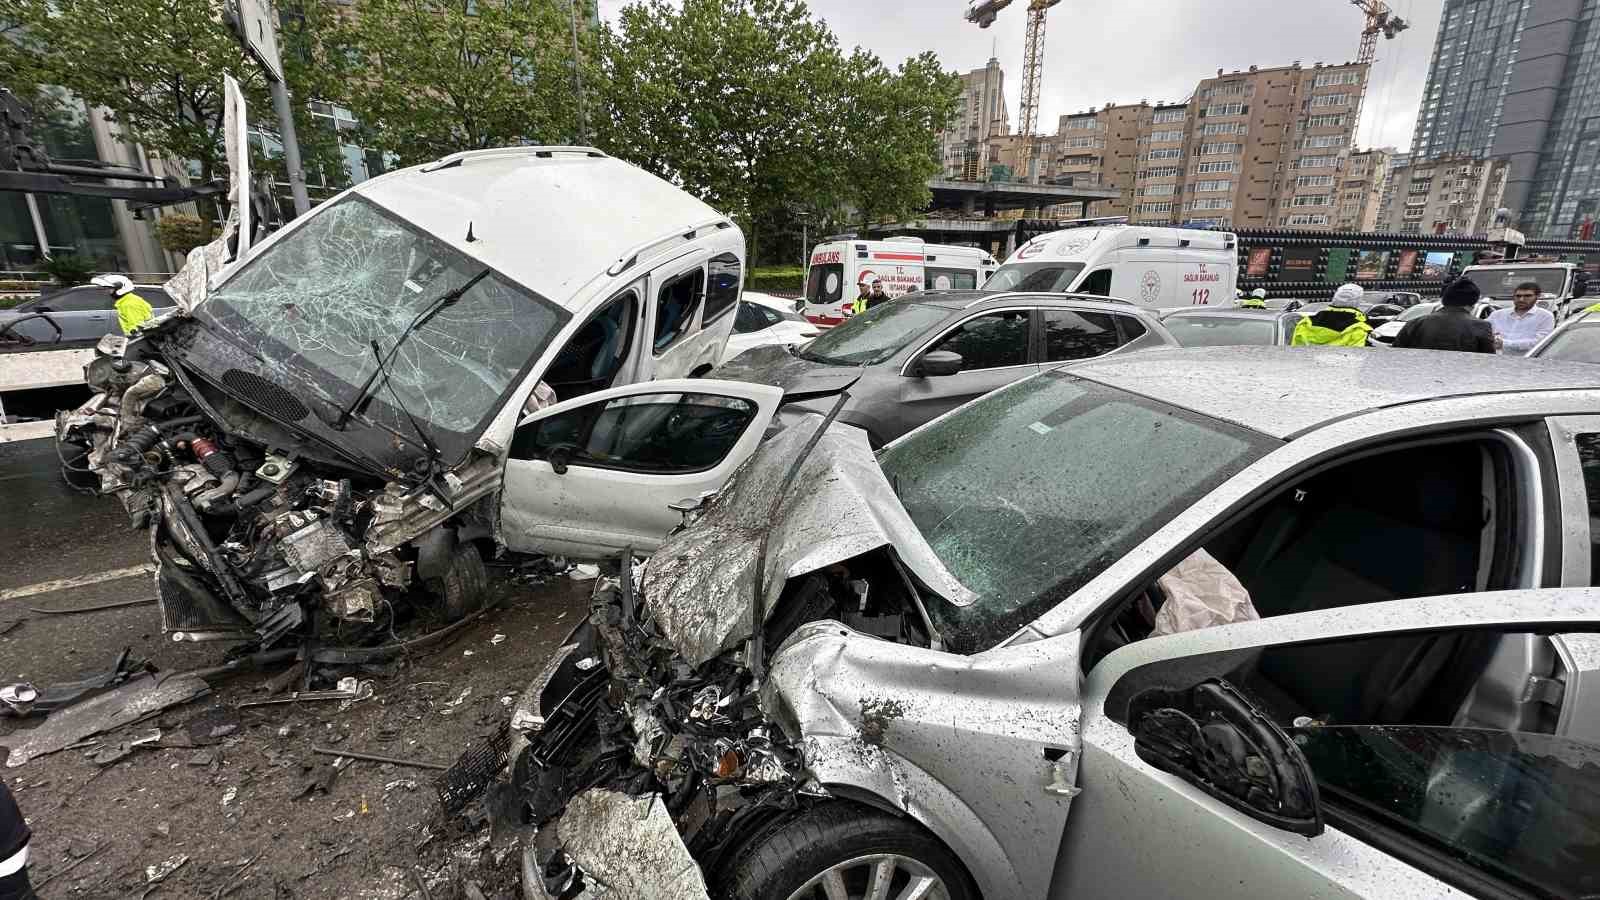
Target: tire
[(848, 840), (462, 589)]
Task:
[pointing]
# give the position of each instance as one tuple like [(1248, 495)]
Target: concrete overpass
[(992, 196)]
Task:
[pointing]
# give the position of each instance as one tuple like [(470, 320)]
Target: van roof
[(550, 218), (1076, 243)]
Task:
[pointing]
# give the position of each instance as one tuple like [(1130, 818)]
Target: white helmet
[(118, 284), (1348, 295), (1259, 293)]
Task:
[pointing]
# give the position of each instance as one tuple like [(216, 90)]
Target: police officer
[(863, 295), (1256, 300), (14, 837), (1342, 324), (132, 309)]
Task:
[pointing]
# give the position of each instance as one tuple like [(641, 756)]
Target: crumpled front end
[(255, 536)]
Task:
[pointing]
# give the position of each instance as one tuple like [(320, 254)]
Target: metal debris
[(143, 696), (161, 871), (374, 757), (361, 691)]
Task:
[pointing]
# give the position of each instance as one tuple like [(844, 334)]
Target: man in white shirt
[(1517, 329)]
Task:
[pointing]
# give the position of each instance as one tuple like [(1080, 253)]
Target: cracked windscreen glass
[(873, 336), (1029, 493), (312, 304)]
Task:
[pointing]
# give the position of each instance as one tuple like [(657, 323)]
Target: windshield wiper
[(420, 319), (428, 445)]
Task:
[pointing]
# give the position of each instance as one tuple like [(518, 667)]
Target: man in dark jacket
[(1451, 326), (14, 837)]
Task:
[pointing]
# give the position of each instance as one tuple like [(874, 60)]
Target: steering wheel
[(7, 336)]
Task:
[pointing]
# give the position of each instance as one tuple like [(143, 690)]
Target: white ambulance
[(903, 264), (1154, 267)]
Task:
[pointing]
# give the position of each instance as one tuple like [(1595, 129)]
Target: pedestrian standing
[(1517, 329), (14, 836), (1451, 326), (1340, 324), (878, 297)]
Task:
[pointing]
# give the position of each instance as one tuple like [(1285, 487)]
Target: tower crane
[(1380, 20), (982, 13)]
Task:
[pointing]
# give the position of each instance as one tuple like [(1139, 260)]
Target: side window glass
[(771, 317), (1589, 458), (1077, 335), (1132, 329), (1098, 283), (989, 342), (676, 306), (936, 278), (82, 300), (656, 433), (723, 291), (748, 319), (596, 352)]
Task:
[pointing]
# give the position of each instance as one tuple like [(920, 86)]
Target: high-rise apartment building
[(964, 146), (1101, 147), (1520, 80), (1386, 200), (1456, 194), (1361, 186)]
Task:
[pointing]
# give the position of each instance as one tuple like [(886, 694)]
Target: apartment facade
[(1520, 80), (1452, 195), (1361, 187), (964, 147)]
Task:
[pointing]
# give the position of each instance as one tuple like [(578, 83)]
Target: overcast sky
[(1132, 50)]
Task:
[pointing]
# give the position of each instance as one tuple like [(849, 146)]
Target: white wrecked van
[(1154, 267), (328, 429)]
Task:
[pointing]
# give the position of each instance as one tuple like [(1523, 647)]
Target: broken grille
[(271, 399)]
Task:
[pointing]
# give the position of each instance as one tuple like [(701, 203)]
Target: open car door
[(1421, 747), (598, 473)]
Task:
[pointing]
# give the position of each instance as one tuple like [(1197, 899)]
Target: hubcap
[(879, 876)]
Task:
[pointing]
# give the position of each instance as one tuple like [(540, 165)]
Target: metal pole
[(38, 226), (577, 76), (291, 147)]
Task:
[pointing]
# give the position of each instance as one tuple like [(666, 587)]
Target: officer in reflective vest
[(132, 309), (1342, 324), (1256, 300), (864, 296)]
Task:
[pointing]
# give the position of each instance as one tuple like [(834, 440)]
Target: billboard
[(1371, 265), (1407, 266), (1338, 265), (1436, 265), (1260, 262), (1299, 263)]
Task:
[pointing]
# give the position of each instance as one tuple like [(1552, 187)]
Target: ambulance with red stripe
[(1155, 267), (903, 265)]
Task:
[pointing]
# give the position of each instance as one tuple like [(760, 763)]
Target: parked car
[(1207, 327), (84, 313), (1384, 335), (933, 671), (764, 320), (1402, 299), (926, 353), (347, 393), (1576, 339)]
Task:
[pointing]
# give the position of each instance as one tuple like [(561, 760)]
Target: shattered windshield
[(1028, 494), (312, 304), (875, 335)]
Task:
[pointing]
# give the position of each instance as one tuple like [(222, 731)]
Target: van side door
[(676, 344)]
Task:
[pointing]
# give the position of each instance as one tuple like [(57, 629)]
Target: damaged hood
[(699, 585), (776, 366)]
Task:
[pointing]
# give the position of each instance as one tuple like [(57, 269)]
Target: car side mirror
[(1211, 736), (559, 457), (939, 362), (1580, 284)]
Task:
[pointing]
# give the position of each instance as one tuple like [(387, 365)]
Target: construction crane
[(982, 13), (1380, 20)]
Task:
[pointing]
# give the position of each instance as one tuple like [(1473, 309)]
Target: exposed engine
[(253, 540)]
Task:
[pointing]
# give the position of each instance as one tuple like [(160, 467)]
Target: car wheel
[(845, 850), (464, 585)]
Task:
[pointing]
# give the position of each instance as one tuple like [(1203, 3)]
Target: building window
[(1155, 207), (1218, 184), (1328, 78), (1330, 100), (1314, 181), (1210, 203), (1326, 122), (1306, 220), (1158, 190), (1225, 109), (1317, 162), (1159, 172), (1221, 167), (1211, 128), (1322, 141), (1157, 136), (1310, 200), (1219, 149), (1080, 143), (1167, 116), (1174, 153), (1082, 123), (1225, 89)]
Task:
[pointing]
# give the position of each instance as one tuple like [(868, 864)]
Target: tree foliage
[(428, 78), (157, 65), (753, 106)]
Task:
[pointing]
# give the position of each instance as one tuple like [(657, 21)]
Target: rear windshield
[(1221, 331), (875, 335), (1047, 277), (825, 283), (1580, 343)]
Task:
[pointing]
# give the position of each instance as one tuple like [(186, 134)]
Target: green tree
[(157, 65), (899, 115), (429, 77)]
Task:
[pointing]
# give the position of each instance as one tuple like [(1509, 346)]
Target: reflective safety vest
[(860, 306), (132, 311), (1308, 333), (1252, 303)]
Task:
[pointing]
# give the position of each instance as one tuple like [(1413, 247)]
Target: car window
[(1579, 343), (156, 297), (875, 335), (989, 341), (723, 292), (1221, 331), (85, 299), (749, 319), (1132, 329), (1077, 335), (1589, 458), (656, 433), (1043, 277), (675, 308), (1098, 283), (938, 278), (825, 283)]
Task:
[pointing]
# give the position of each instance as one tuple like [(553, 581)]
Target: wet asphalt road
[(47, 533)]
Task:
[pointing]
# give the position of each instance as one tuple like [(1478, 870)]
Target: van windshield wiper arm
[(420, 319)]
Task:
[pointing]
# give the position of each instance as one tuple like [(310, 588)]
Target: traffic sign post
[(256, 24)]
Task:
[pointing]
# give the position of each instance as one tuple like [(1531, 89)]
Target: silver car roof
[(1286, 391)]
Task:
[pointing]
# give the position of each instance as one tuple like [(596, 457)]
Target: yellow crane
[(982, 13), (1380, 20)]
